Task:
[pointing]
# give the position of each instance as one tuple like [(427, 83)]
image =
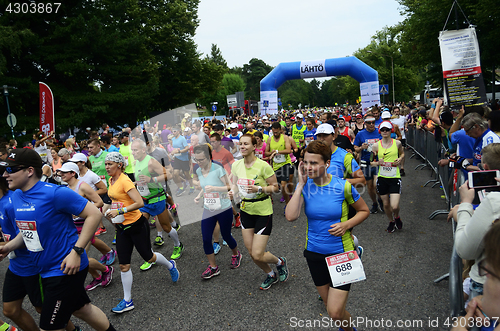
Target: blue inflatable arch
[(352, 66)]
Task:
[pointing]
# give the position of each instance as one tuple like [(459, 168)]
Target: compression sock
[(175, 237), (127, 280), (160, 234), (161, 260)]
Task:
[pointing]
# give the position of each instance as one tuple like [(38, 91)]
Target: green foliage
[(252, 73)]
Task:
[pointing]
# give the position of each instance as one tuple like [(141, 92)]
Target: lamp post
[(6, 94), (392, 66)]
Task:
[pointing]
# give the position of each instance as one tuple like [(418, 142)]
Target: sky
[(278, 31)]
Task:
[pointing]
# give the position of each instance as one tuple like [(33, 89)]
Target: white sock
[(160, 234), (279, 262), (127, 280), (161, 260), (173, 224), (173, 234), (356, 242), (271, 273)]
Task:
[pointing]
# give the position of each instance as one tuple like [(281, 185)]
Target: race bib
[(279, 158), (308, 140), (126, 161), (103, 178), (259, 154), (387, 170), (143, 189), (30, 235), (242, 184), (345, 268), (212, 201), (118, 218), (370, 142)]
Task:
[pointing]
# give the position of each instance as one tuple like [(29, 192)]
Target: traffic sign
[(11, 120), (214, 107), (279, 103), (265, 103), (383, 89)]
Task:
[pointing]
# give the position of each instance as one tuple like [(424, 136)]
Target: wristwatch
[(259, 189), (78, 250)]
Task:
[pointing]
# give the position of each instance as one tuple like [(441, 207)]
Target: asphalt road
[(398, 294)]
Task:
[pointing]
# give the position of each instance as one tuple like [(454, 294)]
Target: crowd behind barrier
[(423, 145)]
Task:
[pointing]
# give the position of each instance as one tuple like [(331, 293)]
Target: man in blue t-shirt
[(43, 214), (363, 144)]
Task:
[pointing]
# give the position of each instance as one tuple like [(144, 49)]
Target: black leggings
[(135, 234)]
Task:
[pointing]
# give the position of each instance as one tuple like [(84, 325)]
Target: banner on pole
[(462, 74), (369, 95), (47, 119)]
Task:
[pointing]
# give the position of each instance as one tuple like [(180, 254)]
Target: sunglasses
[(385, 130), (199, 160), (370, 122), (13, 170)]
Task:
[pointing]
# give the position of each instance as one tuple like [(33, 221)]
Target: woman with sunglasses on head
[(328, 230), (132, 228), (389, 153), (255, 180), (217, 207)]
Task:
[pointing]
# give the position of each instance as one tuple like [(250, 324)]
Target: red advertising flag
[(47, 119)]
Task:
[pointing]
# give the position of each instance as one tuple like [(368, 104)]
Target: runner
[(363, 143), (254, 180), (358, 125), (389, 152), (400, 122), (278, 149), (133, 230), (150, 175), (217, 208), (69, 173), (327, 228), (345, 130), (127, 154), (181, 161), (44, 214)]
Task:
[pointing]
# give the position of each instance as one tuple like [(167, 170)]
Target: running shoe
[(152, 223), (103, 259), (173, 209), (283, 270), (123, 306), (399, 224), (107, 277), (177, 227), (236, 260), (100, 231), (110, 257), (191, 190), (237, 220), (268, 282), (374, 209), (159, 241), (391, 227), (210, 272), (174, 273), (177, 253), (94, 283), (282, 199), (179, 192), (146, 265), (402, 172), (114, 240), (216, 248), (380, 205), (224, 243), (360, 251)]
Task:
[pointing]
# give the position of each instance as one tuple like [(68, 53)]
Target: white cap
[(325, 128), (385, 124), (310, 115), (187, 129), (385, 115), (78, 157), (69, 166), (300, 115), (233, 125), (264, 117)]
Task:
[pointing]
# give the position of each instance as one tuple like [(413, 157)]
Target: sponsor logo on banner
[(369, 95), (47, 120), (311, 69)]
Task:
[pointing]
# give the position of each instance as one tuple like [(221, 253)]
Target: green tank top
[(149, 191), (99, 167), (389, 155), (279, 160), (298, 133)]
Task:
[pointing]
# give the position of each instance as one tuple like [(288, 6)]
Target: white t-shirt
[(91, 178), (400, 122), (44, 153)]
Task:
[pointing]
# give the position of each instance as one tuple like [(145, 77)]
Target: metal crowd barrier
[(424, 146)]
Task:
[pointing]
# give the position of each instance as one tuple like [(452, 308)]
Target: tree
[(252, 73)]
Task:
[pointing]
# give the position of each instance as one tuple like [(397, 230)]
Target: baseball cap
[(233, 125), (386, 115), (23, 157), (341, 117), (386, 124), (264, 117), (325, 128), (63, 151), (124, 134), (69, 166), (359, 116), (187, 129), (78, 157), (310, 115), (300, 116)]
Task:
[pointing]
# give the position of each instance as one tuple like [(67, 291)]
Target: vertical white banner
[(268, 102), (369, 95)]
